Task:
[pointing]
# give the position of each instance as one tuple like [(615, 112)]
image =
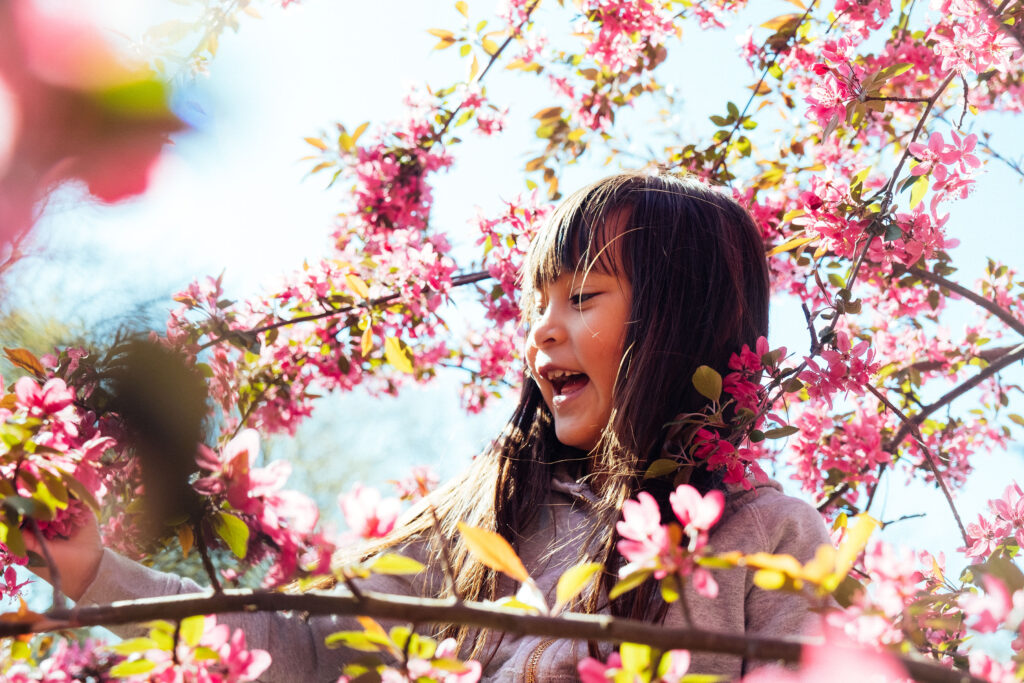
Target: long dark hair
[(699, 279)]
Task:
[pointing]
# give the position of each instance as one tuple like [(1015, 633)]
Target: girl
[(634, 282)]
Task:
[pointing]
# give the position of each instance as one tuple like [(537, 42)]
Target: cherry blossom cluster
[(618, 31), (52, 458), (1005, 521), (190, 658), (282, 522), (652, 547), (505, 239)]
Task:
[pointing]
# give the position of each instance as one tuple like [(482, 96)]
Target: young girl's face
[(574, 347)]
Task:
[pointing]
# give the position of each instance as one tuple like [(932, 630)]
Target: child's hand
[(77, 558)]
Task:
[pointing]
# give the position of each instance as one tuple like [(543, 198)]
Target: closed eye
[(581, 298)]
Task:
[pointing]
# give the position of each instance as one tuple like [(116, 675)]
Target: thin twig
[(904, 518), (893, 98), (440, 611), (989, 305), (457, 281), (58, 593), (916, 431), (750, 100), (997, 365), (177, 637), (204, 554)]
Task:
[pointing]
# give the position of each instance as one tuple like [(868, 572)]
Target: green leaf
[(708, 382), (893, 71), (134, 667), (1016, 419), (660, 468), (629, 583), (392, 563), (574, 580), (234, 532), (781, 432)]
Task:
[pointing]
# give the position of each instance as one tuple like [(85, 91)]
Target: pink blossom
[(422, 479), (645, 541), (985, 536), (696, 513), (988, 610), (367, 514)]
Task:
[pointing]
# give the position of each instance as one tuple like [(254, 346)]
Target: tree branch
[(457, 281), (916, 431), (435, 611), (989, 305), (1008, 359)]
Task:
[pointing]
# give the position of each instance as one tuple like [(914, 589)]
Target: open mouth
[(566, 383)]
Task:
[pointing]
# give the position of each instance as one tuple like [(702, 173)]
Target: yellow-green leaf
[(708, 382), (357, 285), (366, 344), (397, 354), (856, 538), (234, 532), (462, 8), (441, 33), (133, 646), (629, 583), (769, 579), (358, 640), (132, 668), (192, 629), (791, 244), (392, 563), (574, 580), (493, 551), (661, 467), (918, 190)]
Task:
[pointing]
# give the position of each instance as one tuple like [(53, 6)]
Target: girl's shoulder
[(766, 519)]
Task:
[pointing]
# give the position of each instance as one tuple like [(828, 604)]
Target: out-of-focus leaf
[(493, 551)]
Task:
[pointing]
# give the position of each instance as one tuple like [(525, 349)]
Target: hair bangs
[(577, 238)]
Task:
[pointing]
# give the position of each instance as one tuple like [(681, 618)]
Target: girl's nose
[(547, 328)]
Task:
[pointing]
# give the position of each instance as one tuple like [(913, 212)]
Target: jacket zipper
[(534, 660)]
